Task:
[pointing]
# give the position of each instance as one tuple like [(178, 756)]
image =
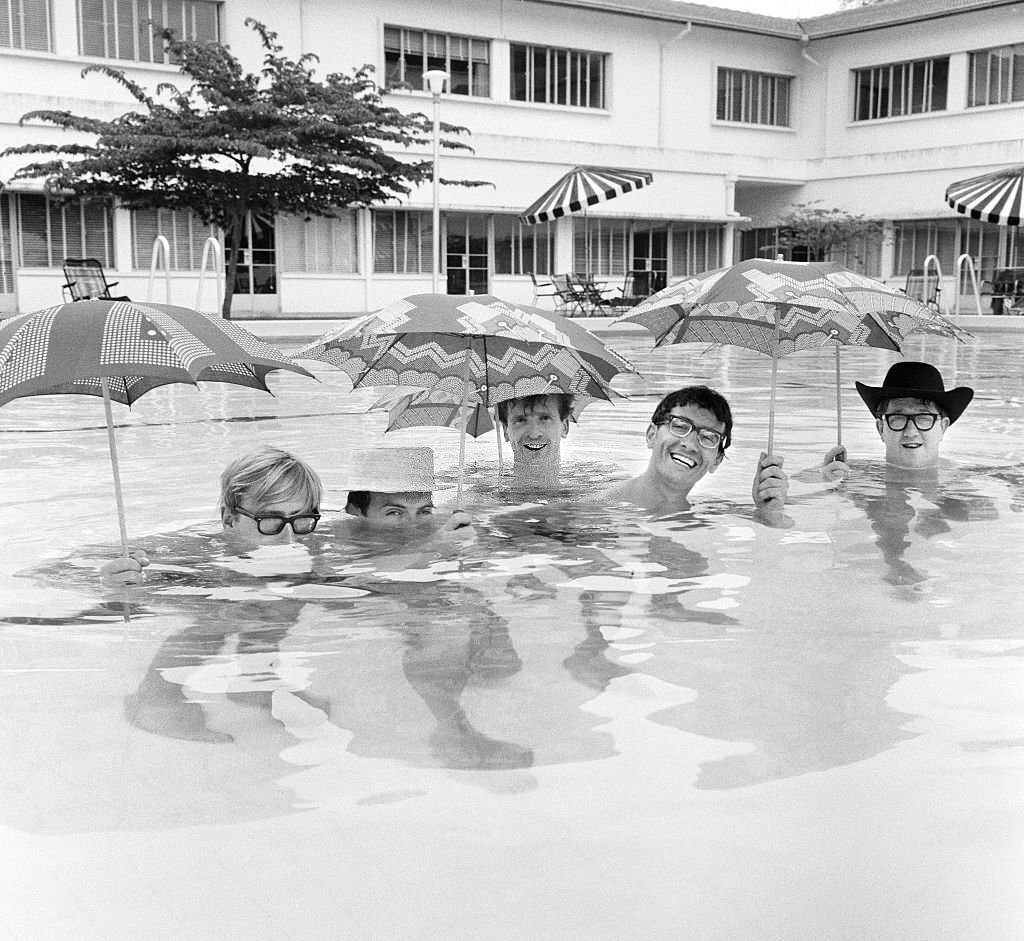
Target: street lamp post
[(435, 80)]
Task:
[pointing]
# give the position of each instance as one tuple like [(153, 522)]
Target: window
[(186, 237), (6, 245), (753, 97), (996, 76), (601, 246), (889, 91), (123, 29), (323, 245), (695, 248), (25, 24), (523, 249), (558, 76), (51, 231), (917, 239), (402, 242), (409, 53)]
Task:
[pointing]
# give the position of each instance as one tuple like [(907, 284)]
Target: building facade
[(737, 116)]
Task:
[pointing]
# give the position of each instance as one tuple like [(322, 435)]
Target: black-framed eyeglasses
[(270, 524), (923, 421), (683, 428)]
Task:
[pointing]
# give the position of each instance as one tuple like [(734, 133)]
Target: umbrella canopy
[(120, 350), (992, 197), (437, 408), (470, 345), (135, 347), (582, 187), (780, 307)]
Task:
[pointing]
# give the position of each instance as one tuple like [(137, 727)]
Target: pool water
[(586, 723)]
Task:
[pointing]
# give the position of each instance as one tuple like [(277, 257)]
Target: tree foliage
[(280, 141), (820, 231)]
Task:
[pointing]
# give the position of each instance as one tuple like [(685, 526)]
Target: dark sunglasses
[(270, 524)]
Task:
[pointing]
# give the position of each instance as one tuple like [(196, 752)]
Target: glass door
[(7, 298), (467, 260), (256, 277), (650, 253)]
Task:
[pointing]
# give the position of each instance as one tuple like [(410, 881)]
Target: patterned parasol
[(992, 197), (470, 344), (121, 350), (782, 307), (437, 408)]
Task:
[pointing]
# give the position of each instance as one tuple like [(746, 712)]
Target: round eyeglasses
[(682, 428), (923, 421), (270, 524)]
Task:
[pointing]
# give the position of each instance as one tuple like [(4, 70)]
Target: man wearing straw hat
[(687, 436), (392, 489), (913, 410)]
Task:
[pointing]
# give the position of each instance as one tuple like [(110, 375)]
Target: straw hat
[(909, 380), (392, 470)]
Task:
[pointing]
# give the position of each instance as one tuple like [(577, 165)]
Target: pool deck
[(299, 328)]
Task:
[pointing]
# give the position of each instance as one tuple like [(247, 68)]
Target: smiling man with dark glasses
[(688, 436), (913, 410)]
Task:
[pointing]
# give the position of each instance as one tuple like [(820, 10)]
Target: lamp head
[(435, 79)]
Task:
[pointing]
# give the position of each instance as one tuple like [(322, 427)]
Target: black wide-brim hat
[(909, 380)]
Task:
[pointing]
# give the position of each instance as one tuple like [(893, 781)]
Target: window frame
[(476, 86), (39, 35), (86, 234), (750, 106), (98, 21), (873, 83), (421, 241), (552, 76), (1014, 52)]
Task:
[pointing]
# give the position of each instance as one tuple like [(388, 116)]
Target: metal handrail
[(160, 245), (974, 281), (218, 268)]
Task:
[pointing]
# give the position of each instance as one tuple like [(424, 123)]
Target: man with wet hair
[(534, 426), (688, 435)]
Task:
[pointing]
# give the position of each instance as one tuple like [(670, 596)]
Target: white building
[(873, 110)]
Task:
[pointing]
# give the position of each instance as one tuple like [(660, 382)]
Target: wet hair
[(269, 475), (358, 502), (700, 397), (884, 404), (530, 402)]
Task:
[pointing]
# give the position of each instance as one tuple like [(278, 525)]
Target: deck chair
[(86, 281), (637, 287), (569, 300), (542, 289)]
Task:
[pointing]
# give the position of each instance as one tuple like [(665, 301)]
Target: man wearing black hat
[(912, 410)]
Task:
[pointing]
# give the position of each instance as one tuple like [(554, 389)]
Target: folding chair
[(570, 300), (922, 287), (86, 281), (590, 292), (542, 289)]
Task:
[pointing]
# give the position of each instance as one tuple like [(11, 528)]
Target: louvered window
[(125, 29), (185, 233), (50, 231), (326, 245), (523, 249), (25, 24), (402, 242)]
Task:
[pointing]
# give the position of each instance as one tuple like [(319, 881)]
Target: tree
[(197, 149), (819, 232)]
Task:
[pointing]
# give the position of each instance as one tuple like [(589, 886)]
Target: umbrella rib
[(394, 341)]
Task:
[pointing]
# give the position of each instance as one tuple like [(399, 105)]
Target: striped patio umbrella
[(992, 197), (582, 187)]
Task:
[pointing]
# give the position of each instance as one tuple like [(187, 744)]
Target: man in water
[(268, 497), (534, 426), (912, 410), (687, 436), (391, 489)]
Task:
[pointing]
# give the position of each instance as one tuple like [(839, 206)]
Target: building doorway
[(650, 253), (256, 277), (467, 260)]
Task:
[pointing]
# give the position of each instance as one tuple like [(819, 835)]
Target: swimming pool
[(585, 725)]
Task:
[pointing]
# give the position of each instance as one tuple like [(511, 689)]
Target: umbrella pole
[(497, 431), (839, 403), (463, 421), (771, 404), (113, 464)]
